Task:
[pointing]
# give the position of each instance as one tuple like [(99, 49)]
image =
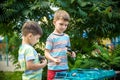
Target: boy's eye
[(61, 24), (66, 25)]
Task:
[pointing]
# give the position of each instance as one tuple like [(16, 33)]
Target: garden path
[(9, 67)]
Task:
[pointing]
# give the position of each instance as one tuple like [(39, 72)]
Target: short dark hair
[(31, 27)]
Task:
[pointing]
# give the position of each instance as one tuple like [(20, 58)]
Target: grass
[(17, 75), (10, 75)]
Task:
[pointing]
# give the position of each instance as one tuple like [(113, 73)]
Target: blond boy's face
[(60, 25)]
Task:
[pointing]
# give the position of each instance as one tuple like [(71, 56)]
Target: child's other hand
[(73, 54)]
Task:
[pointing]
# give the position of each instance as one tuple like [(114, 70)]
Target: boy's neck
[(57, 33), (25, 41)]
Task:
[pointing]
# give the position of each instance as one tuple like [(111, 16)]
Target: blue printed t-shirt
[(57, 46), (26, 53)]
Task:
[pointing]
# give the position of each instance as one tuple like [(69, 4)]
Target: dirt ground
[(7, 67)]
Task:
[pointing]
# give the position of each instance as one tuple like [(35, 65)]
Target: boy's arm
[(31, 66), (48, 56)]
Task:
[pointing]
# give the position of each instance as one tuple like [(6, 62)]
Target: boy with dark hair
[(28, 57)]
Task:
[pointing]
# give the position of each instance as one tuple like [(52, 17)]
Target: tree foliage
[(15, 12), (99, 18)]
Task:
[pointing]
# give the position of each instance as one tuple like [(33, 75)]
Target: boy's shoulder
[(25, 46), (66, 34)]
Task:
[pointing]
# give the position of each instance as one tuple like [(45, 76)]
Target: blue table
[(85, 74)]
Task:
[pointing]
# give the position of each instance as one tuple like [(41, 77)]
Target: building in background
[(2, 48)]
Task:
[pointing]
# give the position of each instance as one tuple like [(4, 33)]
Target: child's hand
[(44, 62), (73, 54), (57, 61)]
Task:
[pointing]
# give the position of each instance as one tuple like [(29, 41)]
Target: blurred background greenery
[(91, 22)]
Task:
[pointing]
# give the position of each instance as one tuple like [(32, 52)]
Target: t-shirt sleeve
[(29, 54), (49, 44)]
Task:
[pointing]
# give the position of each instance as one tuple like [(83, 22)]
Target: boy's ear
[(30, 35)]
